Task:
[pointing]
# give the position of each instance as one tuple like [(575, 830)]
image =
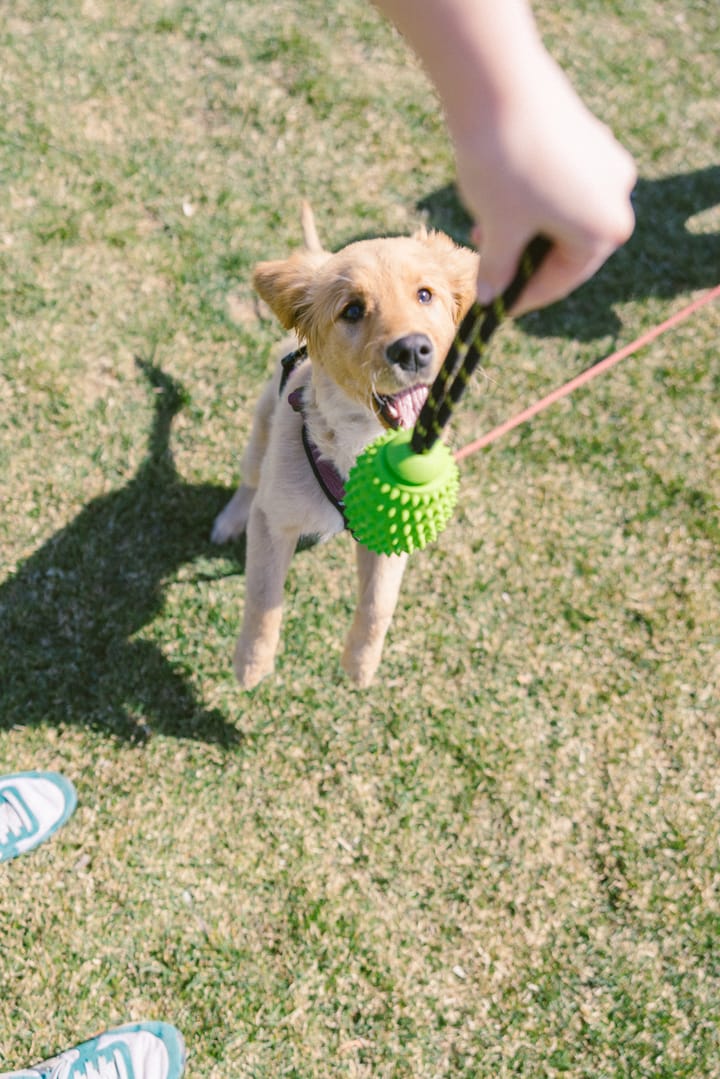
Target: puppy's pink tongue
[(405, 406)]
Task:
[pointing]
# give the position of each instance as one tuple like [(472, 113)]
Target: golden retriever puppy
[(374, 322)]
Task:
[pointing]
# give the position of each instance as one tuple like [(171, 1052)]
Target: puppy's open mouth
[(401, 409)]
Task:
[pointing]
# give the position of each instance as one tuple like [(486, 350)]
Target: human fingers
[(575, 256), (561, 273), (500, 254)]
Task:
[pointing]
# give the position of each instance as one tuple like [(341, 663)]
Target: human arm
[(530, 156)]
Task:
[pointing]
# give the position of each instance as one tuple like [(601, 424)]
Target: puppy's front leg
[(269, 552), (379, 579)]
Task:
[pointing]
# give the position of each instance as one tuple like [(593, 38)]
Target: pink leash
[(587, 375)]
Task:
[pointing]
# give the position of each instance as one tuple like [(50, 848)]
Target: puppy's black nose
[(414, 352)]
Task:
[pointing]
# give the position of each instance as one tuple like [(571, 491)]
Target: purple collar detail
[(326, 474)]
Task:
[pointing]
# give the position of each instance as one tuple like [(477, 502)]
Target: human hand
[(544, 164)]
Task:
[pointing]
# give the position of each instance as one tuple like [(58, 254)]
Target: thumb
[(499, 258)]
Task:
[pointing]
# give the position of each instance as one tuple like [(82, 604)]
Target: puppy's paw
[(250, 667), (232, 521), (360, 665)]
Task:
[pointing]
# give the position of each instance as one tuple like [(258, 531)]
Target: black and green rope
[(467, 349)]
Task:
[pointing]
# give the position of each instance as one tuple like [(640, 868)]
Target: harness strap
[(329, 479), (289, 363), (326, 474)]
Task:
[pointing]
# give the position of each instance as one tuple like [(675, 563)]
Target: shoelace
[(103, 1067), (14, 820)]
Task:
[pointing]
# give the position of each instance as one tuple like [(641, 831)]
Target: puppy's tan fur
[(419, 285)]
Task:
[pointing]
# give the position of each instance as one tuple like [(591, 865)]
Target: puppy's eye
[(353, 312), (424, 295)]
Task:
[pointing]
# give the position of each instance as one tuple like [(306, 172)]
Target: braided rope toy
[(402, 490)]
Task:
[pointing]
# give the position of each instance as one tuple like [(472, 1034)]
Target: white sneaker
[(33, 805), (136, 1051)]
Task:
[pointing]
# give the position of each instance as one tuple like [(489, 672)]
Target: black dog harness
[(329, 479)]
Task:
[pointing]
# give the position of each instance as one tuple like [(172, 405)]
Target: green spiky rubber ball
[(396, 500)]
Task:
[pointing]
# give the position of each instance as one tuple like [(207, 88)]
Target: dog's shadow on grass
[(70, 614), (662, 258)]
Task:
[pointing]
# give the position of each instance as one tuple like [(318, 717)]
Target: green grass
[(502, 860)]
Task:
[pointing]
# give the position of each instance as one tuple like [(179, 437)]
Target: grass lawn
[(501, 860)]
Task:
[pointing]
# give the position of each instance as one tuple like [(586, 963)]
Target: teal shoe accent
[(33, 805), (136, 1051)]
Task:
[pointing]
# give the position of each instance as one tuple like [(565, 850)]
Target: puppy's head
[(378, 316)]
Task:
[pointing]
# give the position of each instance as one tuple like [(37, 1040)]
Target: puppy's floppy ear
[(286, 285), (460, 265)]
